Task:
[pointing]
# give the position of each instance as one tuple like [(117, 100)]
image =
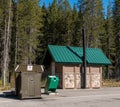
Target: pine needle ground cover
[(111, 83)]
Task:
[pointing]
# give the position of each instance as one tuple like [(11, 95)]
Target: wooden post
[(84, 58)]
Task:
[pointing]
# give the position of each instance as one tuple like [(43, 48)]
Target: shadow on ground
[(9, 95)]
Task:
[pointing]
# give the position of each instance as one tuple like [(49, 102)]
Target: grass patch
[(111, 83), (7, 87), (0, 83), (43, 82)]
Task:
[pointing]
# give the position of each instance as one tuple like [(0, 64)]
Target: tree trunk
[(7, 42)]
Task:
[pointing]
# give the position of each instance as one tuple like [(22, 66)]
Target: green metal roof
[(93, 55), (63, 54), (68, 54)]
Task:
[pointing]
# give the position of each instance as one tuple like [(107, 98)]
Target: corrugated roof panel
[(68, 54), (93, 55), (96, 56), (63, 54)]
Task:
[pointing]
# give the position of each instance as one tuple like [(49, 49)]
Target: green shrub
[(0, 83)]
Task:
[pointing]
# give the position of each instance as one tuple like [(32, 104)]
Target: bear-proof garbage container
[(28, 81), (51, 84)]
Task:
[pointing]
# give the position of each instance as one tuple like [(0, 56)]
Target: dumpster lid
[(29, 68)]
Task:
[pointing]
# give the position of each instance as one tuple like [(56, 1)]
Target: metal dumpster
[(28, 81), (51, 84)]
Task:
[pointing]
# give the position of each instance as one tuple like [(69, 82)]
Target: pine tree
[(28, 31), (65, 21), (116, 12), (43, 40), (6, 7), (109, 40), (52, 18), (92, 20), (1, 33), (76, 28), (58, 23), (13, 36)]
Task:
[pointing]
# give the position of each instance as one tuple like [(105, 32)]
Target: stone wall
[(96, 77), (70, 76)]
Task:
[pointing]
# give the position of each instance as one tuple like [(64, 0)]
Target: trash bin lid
[(29, 68), (52, 76)]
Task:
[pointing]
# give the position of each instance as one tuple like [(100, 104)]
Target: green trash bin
[(51, 84)]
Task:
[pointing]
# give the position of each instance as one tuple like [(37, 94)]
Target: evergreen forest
[(26, 29)]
